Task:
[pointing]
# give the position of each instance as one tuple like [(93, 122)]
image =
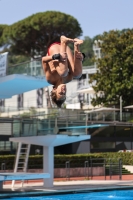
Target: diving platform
[(48, 142), (14, 84), (21, 177)]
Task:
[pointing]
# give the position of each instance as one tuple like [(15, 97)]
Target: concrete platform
[(65, 187), (21, 176), (17, 84), (50, 140)]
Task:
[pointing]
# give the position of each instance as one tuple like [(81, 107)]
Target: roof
[(103, 109)]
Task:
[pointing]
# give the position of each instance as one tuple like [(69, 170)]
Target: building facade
[(117, 136)]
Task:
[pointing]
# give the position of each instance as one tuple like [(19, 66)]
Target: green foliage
[(86, 48), (115, 69), (16, 59), (32, 112), (36, 161), (8, 160), (2, 27), (32, 35), (20, 68)]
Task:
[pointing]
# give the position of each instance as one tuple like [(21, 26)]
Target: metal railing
[(111, 168), (11, 111), (64, 121), (46, 124), (91, 168), (32, 68)]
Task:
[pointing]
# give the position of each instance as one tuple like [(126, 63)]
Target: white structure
[(18, 84), (28, 85), (21, 177), (28, 89), (97, 50), (49, 142)]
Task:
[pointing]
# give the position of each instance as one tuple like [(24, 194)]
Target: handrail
[(33, 68), (26, 62)]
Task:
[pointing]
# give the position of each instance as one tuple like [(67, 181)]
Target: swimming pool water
[(108, 195)]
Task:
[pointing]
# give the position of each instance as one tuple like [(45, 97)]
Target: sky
[(94, 16)]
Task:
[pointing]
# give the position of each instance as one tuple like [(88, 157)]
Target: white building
[(39, 98)]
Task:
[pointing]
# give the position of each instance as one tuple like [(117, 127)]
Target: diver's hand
[(63, 57)]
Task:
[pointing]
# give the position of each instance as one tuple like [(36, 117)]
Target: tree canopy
[(32, 35), (115, 69), (86, 48), (2, 27)]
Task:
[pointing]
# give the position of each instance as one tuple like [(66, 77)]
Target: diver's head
[(58, 94)]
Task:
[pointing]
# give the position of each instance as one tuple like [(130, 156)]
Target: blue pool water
[(108, 195)]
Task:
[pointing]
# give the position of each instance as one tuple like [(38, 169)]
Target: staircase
[(115, 170), (21, 161), (125, 171)]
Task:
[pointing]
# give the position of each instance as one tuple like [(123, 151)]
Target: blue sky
[(94, 16)]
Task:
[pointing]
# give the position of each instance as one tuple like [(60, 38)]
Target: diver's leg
[(61, 65)]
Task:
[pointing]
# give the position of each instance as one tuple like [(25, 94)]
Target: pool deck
[(72, 186)]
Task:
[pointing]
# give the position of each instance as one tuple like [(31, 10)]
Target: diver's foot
[(66, 40), (78, 41)]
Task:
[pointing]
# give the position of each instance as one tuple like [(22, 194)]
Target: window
[(103, 132), (102, 145), (5, 145), (123, 131), (2, 145)]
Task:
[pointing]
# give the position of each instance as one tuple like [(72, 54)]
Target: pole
[(86, 123), (48, 165), (120, 108)]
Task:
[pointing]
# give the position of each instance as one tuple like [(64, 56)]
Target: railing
[(56, 121), (48, 123), (32, 112), (111, 116), (102, 116), (87, 168), (111, 168), (33, 68), (95, 168)]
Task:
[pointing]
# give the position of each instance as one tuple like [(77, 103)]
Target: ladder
[(21, 162)]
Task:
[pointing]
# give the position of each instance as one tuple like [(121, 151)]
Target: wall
[(73, 172)]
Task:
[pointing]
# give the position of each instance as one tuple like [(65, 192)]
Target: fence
[(89, 169)]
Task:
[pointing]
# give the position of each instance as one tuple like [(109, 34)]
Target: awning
[(103, 109), (89, 90), (131, 106)]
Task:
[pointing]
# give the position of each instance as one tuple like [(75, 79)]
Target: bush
[(36, 161)]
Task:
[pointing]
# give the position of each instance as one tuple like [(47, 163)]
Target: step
[(20, 167), (23, 153), (21, 163)]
